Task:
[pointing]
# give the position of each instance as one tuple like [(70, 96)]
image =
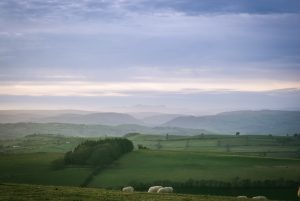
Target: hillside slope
[(159, 119), (15, 116), (9, 131), (246, 122), (23, 192), (94, 118)]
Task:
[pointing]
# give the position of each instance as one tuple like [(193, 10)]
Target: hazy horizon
[(138, 112)]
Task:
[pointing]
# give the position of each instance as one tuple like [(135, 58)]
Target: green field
[(35, 168), (268, 146), (272, 146), (40, 143), (23, 192), (149, 166), (168, 158)]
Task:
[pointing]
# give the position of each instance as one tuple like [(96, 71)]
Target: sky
[(171, 56)]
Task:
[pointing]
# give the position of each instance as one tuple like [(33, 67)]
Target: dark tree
[(101, 152)]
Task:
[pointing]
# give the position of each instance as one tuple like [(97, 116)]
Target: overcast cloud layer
[(210, 55)]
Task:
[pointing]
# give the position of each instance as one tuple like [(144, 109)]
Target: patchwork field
[(149, 166), (273, 146), (40, 143), (166, 159)]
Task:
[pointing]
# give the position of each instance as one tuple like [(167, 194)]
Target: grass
[(272, 146), (21, 192), (281, 146), (40, 143), (179, 158), (149, 166), (35, 168)]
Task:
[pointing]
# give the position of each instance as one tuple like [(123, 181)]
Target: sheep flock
[(161, 189), (152, 189)]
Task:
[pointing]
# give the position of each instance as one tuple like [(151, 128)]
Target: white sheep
[(154, 189), (260, 197), (241, 197), (165, 190), (299, 192), (128, 189)]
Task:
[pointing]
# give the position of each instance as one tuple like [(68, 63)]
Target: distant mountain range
[(84, 117), (246, 122), (15, 130), (159, 119), (111, 119)]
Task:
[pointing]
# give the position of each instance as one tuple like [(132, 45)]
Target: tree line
[(98, 153), (235, 183)]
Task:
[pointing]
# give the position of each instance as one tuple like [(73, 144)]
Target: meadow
[(149, 166), (157, 167), (23, 192), (164, 158), (40, 143), (35, 168), (255, 145)]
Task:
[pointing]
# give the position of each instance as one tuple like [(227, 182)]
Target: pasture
[(23, 192), (144, 168), (35, 168), (167, 158), (150, 166), (255, 145), (40, 143)]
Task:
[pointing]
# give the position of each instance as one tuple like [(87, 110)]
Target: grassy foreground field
[(35, 168), (145, 168), (22, 192), (149, 166), (176, 159)]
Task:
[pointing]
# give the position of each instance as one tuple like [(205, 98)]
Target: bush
[(140, 146)]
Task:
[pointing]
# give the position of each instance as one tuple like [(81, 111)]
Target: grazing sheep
[(165, 190), (154, 189), (128, 189), (299, 192), (260, 197), (241, 197)]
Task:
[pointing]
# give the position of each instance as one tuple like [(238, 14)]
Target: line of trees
[(235, 183), (98, 153)]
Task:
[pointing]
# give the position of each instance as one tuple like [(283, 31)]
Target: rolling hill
[(245, 122), (94, 118), (14, 130), (15, 116), (159, 119)]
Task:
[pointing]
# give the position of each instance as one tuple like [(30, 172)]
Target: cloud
[(87, 9), (195, 103), (151, 40), (136, 88), (126, 49)]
